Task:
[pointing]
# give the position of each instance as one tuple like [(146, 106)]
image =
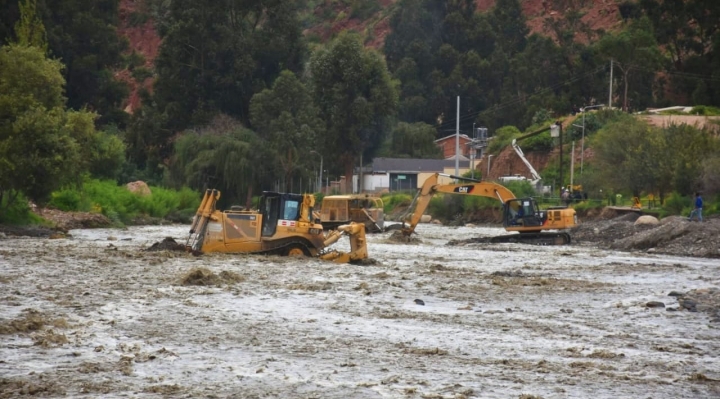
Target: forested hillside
[(254, 96)]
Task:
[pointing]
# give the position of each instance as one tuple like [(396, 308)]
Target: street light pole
[(321, 170), (582, 143), (561, 152), (488, 172), (556, 131)]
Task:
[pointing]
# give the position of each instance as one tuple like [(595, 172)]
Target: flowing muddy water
[(93, 317)]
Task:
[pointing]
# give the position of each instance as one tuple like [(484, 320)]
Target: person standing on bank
[(698, 208)]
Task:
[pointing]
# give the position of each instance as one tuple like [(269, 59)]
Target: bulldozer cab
[(278, 208), (522, 212)]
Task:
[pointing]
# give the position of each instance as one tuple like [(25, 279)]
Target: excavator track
[(546, 238)]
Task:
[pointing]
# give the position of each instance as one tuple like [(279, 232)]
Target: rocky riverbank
[(673, 235)]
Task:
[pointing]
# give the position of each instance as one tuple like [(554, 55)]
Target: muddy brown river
[(96, 316)]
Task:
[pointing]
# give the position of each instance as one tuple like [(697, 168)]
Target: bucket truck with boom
[(536, 180)]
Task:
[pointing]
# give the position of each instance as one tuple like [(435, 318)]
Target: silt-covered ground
[(92, 316)]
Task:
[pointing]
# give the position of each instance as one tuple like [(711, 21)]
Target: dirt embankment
[(673, 235)]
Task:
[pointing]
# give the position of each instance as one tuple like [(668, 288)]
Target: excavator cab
[(523, 212)]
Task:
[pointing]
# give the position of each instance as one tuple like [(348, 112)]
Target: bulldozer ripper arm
[(199, 224)]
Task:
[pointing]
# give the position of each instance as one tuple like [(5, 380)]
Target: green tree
[(287, 119), (38, 147), (108, 154), (414, 140), (83, 35), (511, 25), (216, 55), (689, 33), (356, 96), (687, 148), (148, 141), (29, 29), (632, 50), (222, 155), (711, 174), (628, 155), (410, 48), (567, 30), (438, 51)]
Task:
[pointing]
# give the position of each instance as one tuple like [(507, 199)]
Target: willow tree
[(222, 155)]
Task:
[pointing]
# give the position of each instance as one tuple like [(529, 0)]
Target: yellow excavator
[(521, 215), (282, 226)]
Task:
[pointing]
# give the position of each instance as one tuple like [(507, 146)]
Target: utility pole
[(556, 131), (457, 139), (319, 186), (487, 177), (582, 145), (611, 73), (473, 151), (572, 167), (561, 152), (360, 175)]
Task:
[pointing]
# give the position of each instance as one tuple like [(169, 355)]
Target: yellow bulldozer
[(281, 226)]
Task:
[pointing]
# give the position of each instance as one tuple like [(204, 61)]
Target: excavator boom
[(432, 186), (520, 215)]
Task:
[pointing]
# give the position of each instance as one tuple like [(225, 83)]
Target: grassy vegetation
[(19, 214), (395, 200), (121, 206)]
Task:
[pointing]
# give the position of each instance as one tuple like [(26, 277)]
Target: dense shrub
[(676, 204), (502, 138), (18, 213), (705, 110), (541, 142)]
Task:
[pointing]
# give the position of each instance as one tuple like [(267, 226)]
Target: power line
[(519, 99), (688, 75)]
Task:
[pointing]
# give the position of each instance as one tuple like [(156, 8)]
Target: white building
[(398, 174)]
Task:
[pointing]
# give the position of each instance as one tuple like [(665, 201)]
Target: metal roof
[(408, 165), (452, 136)]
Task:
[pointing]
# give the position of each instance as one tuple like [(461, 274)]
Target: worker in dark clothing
[(698, 208)]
